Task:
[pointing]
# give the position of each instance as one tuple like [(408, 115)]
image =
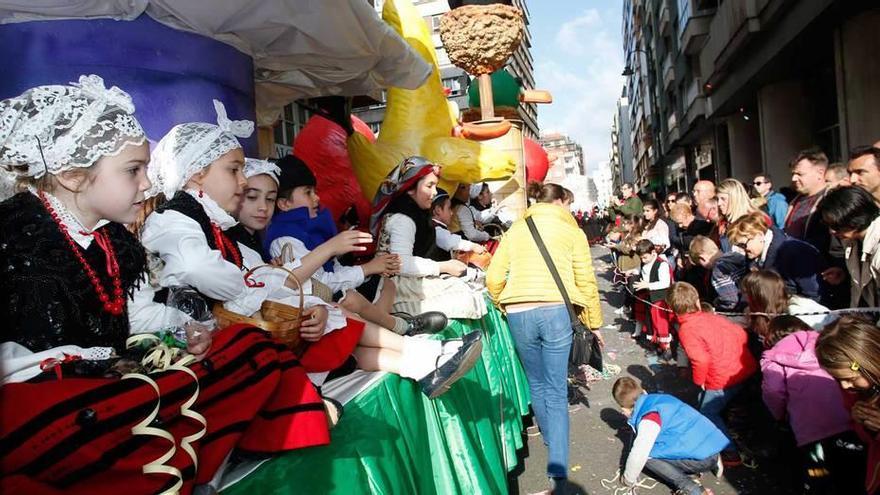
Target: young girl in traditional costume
[(402, 220), (70, 425), (199, 166), (257, 205), (302, 226)]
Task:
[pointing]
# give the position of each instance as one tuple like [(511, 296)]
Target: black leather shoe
[(439, 381), (429, 322)]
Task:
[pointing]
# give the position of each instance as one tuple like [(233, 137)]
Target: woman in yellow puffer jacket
[(520, 283)]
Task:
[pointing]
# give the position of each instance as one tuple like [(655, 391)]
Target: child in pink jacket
[(797, 389)]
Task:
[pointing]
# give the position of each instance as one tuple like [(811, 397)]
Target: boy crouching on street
[(673, 440)]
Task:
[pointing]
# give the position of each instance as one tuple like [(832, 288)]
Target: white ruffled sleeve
[(448, 241), (188, 260), (466, 221), (402, 234), (342, 277), (145, 315)]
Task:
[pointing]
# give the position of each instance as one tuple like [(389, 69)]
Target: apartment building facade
[(733, 88)]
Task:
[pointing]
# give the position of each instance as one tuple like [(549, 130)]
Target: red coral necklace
[(225, 245), (117, 304)]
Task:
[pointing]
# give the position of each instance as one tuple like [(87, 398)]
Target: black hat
[(294, 173), (441, 195)]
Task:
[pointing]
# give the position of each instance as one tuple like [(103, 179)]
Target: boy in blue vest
[(673, 441)]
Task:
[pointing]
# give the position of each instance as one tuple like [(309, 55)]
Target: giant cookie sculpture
[(419, 122)]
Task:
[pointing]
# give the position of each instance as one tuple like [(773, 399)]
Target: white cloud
[(583, 75), (572, 34)]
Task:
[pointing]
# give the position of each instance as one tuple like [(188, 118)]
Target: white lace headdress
[(50, 129), (189, 148), (255, 166)]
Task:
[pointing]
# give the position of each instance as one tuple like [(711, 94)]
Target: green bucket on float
[(505, 90)]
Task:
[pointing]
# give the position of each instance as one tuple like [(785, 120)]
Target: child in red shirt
[(718, 352)]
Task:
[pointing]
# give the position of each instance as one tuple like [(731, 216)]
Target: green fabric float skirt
[(394, 440)]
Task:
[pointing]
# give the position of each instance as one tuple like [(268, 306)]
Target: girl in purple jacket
[(797, 389)]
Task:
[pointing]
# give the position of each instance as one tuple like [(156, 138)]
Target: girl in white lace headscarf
[(187, 233), (198, 167), (79, 158), (258, 204)]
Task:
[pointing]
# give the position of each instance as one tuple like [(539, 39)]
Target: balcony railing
[(693, 26), (664, 17), (668, 71), (733, 24), (672, 133), (694, 102)]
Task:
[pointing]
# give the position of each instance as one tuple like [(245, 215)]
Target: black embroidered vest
[(654, 276), (46, 298), (185, 204)]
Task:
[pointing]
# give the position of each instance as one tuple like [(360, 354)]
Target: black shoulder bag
[(585, 348)]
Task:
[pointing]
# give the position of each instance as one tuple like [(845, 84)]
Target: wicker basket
[(279, 319)]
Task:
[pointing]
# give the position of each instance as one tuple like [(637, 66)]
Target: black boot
[(438, 382), (428, 322)]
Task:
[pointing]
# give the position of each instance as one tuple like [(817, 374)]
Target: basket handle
[(299, 286)]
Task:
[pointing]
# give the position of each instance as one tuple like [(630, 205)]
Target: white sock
[(400, 325), (638, 329), (318, 378), (419, 357)]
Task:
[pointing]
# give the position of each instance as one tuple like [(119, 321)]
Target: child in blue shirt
[(300, 223), (673, 440)]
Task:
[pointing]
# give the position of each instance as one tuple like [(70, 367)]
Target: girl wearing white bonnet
[(78, 156), (258, 204)]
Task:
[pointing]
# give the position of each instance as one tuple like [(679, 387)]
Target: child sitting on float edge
[(447, 242), (673, 441), (300, 223)]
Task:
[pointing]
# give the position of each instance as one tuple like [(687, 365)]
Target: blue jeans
[(543, 342), (675, 472), (712, 404)]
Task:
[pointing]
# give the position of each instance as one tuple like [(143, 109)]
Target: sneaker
[(438, 382), (429, 322), (730, 459)]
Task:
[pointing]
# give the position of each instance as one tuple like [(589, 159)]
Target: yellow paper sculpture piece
[(419, 122)]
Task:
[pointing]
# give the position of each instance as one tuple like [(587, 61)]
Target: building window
[(293, 119), (376, 127), (433, 22), (454, 85)]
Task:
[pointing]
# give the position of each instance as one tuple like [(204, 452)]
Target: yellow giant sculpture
[(419, 122)]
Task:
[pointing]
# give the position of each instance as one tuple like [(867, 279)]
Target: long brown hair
[(658, 216), (149, 206), (764, 292), (545, 192), (851, 342), (783, 326)]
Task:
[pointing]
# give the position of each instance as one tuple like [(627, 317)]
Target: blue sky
[(578, 56)]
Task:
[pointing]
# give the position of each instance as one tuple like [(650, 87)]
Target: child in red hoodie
[(718, 352)]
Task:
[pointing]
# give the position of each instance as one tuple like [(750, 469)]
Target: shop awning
[(300, 48)]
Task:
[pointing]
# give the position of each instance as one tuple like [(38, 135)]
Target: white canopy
[(300, 48)]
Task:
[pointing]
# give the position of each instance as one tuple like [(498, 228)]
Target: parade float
[(174, 57), (392, 438)]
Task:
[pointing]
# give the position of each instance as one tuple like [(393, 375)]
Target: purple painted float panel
[(172, 75)]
